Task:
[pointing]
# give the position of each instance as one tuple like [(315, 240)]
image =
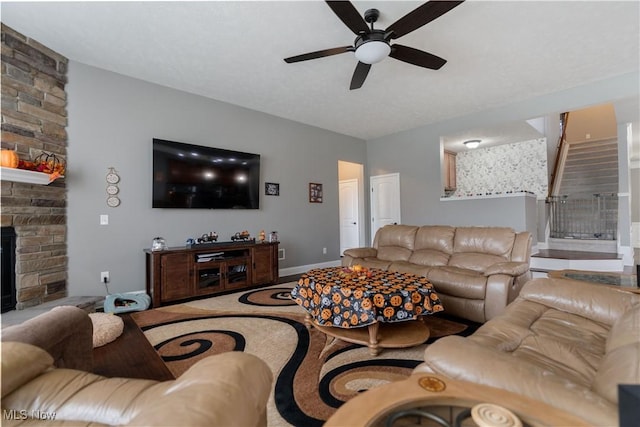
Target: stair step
[(553, 259)]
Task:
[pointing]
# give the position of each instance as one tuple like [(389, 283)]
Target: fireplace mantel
[(26, 176)]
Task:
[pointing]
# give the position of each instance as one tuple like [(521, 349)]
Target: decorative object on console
[(262, 236), (158, 244), (271, 189), (208, 238), (273, 236), (315, 192), (241, 235), (112, 178)]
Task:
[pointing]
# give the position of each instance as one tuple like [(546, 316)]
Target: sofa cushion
[(463, 359), (620, 364), (429, 257), (478, 262), (486, 240), (21, 363), (559, 342), (437, 237), (458, 282), (433, 245), (409, 267), (601, 303), (395, 242)]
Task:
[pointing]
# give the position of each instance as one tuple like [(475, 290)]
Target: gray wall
[(112, 120), (415, 153)]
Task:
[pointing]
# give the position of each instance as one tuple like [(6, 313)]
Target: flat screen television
[(191, 176)]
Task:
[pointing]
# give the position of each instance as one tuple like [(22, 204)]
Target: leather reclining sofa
[(566, 343), (476, 271), (46, 380)]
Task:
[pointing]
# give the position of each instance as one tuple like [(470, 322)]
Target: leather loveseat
[(476, 271), (563, 342), (229, 389)]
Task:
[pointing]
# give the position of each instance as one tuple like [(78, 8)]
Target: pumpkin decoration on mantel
[(9, 159)]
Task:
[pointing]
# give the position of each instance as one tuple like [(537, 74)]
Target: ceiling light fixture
[(472, 143), (372, 51)]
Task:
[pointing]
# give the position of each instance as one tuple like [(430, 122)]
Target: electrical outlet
[(324, 251), (104, 277)]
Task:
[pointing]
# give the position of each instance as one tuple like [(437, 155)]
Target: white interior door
[(349, 214), (385, 201)]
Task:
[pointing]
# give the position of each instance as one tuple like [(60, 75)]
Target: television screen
[(199, 177)]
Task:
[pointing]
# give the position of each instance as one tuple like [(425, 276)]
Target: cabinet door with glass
[(237, 273), (209, 277)]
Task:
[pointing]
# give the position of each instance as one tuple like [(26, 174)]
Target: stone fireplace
[(34, 120)]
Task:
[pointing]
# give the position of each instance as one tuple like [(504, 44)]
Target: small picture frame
[(271, 189), (315, 192)]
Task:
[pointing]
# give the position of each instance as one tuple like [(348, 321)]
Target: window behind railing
[(584, 217)]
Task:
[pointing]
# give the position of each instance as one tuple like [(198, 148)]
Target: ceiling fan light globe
[(372, 51)]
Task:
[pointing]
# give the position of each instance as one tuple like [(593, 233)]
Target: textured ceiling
[(498, 53)]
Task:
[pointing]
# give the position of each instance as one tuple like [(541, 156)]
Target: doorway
[(351, 205), (385, 201)]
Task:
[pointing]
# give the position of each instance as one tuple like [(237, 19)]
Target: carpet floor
[(313, 375)]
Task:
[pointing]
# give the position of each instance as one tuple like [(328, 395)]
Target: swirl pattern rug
[(313, 374)]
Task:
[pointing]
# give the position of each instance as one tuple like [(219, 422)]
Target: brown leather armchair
[(566, 343), (228, 389)]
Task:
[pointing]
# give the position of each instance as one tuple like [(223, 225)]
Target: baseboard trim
[(290, 271)]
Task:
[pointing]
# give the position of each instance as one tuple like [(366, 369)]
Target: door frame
[(352, 170), (360, 215)]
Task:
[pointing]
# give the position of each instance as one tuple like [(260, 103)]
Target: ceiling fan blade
[(359, 75), (348, 14), (420, 16), (416, 57), (319, 54)]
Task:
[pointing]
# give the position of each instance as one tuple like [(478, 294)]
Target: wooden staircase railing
[(557, 167)]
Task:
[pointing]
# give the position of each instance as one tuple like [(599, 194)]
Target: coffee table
[(377, 308)]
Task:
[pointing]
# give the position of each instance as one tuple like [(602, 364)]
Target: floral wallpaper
[(504, 169)]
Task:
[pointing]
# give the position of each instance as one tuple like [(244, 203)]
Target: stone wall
[(34, 119)]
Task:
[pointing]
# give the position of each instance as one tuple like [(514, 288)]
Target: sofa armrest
[(510, 268), (65, 332), (463, 359), (207, 392), (361, 252), (228, 389)]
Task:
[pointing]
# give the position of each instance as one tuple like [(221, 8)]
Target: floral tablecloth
[(340, 297)]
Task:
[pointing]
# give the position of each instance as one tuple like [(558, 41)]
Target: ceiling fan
[(373, 45)]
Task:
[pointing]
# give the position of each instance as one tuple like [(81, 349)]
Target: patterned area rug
[(313, 375)]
